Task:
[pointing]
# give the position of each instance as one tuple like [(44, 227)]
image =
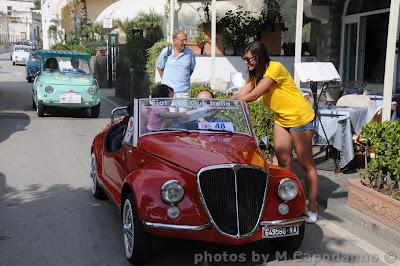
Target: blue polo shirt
[(177, 69)]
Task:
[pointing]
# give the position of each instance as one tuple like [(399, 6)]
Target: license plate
[(70, 98), (281, 231)]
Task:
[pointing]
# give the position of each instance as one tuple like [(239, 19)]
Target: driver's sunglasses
[(247, 59)]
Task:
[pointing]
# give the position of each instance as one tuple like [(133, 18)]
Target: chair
[(236, 82), (354, 100), (361, 144)]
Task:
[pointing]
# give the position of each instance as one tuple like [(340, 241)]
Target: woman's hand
[(262, 87)]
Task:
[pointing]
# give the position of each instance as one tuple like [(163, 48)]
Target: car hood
[(194, 151), (66, 79)]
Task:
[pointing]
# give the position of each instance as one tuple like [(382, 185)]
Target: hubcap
[(128, 229), (93, 174)]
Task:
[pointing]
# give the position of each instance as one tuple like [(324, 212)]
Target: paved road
[(48, 216)]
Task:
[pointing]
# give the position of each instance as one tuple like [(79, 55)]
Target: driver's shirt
[(285, 99)]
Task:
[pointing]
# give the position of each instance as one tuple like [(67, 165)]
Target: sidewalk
[(332, 199)]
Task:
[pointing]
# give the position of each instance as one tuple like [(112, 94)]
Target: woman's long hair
[(260, 52)]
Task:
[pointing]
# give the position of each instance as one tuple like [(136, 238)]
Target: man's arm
[(160, 63), (160, 71), (192, 63)]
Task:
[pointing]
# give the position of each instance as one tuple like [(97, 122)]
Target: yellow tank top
[(285, 99)]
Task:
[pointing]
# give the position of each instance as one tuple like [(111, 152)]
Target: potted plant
[(377, 193), (201, 40)]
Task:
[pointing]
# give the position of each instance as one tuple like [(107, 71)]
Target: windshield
[(214, 115), (67, 65)]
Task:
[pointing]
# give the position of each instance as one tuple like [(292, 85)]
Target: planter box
[(374, 204)]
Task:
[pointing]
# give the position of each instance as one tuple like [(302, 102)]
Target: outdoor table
[(340, 123)]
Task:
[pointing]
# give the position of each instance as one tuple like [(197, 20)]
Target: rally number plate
[(70, 98)]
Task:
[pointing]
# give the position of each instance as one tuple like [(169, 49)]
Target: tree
[(37, 4)]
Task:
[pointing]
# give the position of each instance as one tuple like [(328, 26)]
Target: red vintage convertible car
[(192, 169)]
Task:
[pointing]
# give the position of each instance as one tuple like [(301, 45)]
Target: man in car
[(75, 65)]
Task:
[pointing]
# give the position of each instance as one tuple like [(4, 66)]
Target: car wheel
[(33, 103), (97, 190), (13, 63), (40, 109), (288, 244), (94, 111), (137, 242)]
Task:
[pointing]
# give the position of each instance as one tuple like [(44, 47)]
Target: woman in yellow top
[(293, 114)]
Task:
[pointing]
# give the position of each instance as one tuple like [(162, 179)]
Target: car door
[(114, 157)]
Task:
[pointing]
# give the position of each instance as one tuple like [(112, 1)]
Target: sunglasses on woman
[(248, 59)]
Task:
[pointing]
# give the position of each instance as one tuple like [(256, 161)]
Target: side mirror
[(263, 144)]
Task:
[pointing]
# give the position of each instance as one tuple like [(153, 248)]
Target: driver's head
[(75, 62), (205, 94), (52, 64)]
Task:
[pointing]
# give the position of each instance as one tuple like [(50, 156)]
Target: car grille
[(234, 197)]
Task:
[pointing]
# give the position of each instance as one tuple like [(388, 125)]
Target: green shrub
[(262, 119), (73, 46), (383, 144), (152, 54)]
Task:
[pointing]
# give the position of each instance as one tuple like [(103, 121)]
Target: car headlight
[(172, 191), (91, 90), (49, 89), (287, 189)]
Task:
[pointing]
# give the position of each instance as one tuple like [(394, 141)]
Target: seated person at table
[(158, 115)]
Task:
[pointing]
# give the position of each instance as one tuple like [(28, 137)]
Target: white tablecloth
[(339, 124)]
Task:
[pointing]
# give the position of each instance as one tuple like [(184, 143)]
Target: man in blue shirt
[(175, 65)]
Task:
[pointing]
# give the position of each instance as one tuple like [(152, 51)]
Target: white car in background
[(20, 54)]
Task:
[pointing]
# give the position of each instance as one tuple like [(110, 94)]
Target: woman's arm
[(262, 87), (243, 91)]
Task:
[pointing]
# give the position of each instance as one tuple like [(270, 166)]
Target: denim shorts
[(310, 126)]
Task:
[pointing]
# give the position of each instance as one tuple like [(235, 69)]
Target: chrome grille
[(234, 197)]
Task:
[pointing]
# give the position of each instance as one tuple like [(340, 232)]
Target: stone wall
[(100, 70), (128, 84), (326, 38)]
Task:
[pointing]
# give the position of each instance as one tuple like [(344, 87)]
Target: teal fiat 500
[(65, 81)]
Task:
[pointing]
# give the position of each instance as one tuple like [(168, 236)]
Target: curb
[(334, 207)]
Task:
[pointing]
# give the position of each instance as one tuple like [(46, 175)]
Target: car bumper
[(208, 233), (84, 104)]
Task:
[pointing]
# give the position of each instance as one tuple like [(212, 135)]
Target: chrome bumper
[(283, 222), (205, 226), (176, 227)]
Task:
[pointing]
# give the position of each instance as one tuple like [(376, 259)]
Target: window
[(361, 6)]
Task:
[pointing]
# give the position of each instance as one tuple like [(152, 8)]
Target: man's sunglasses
[(247, 59)]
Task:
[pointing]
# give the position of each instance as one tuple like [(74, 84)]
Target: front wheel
[(97, 190), (40, 109), (33, 103), (137, 242), (289, 244), (94, 111)]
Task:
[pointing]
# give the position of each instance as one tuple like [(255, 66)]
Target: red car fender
[(146, 185), (296, 205)]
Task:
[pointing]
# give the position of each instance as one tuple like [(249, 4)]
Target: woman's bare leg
[(303, 146), (283, 146)]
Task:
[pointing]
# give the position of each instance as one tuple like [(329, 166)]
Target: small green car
[(66, 81)]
